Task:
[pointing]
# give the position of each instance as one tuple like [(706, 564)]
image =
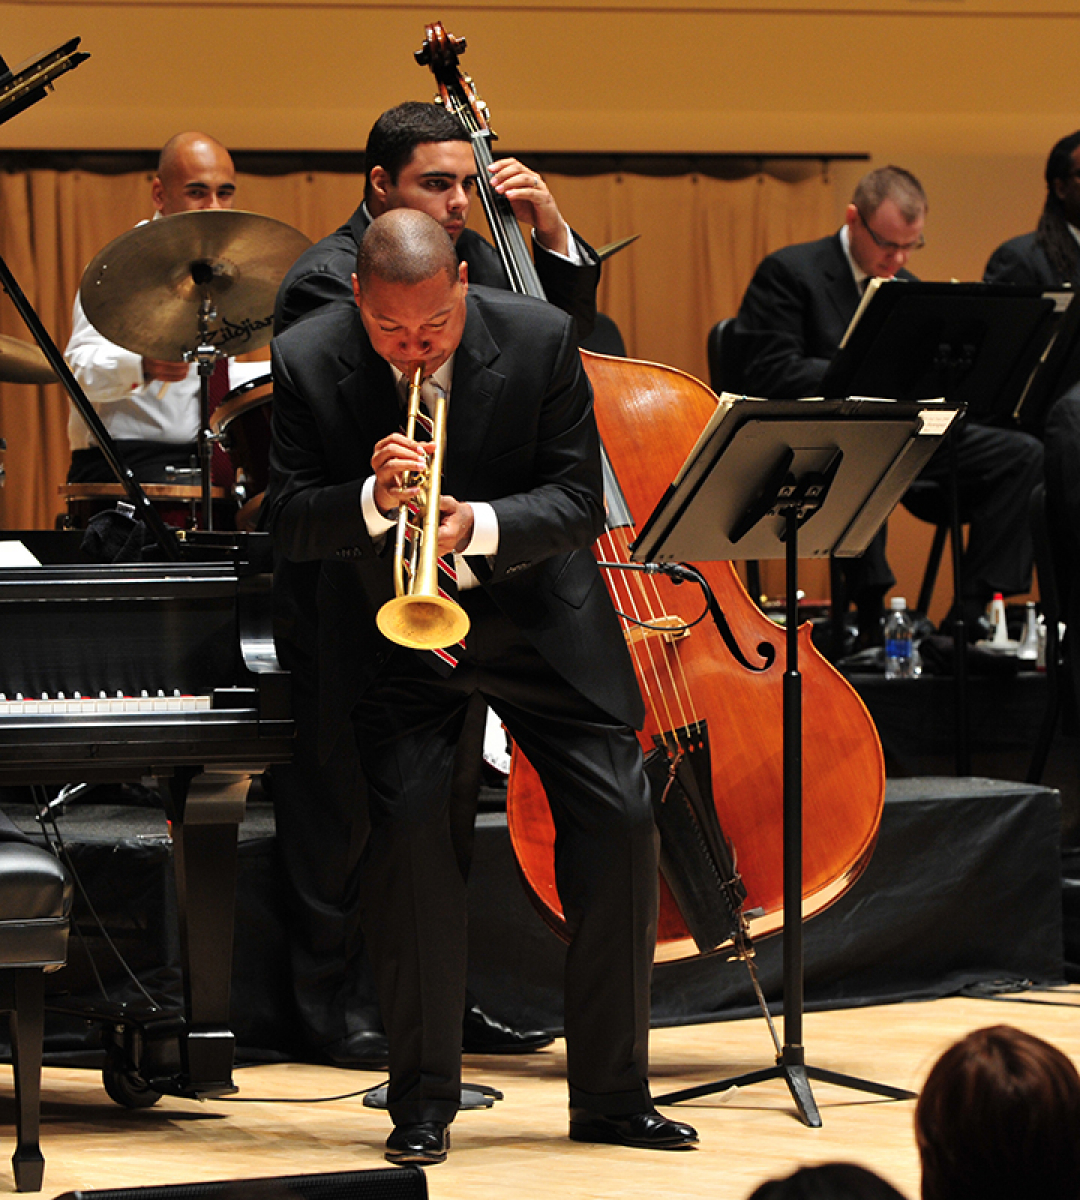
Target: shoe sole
[(613, 1139), (408, 1156)]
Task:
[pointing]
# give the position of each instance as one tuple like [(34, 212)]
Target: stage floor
[(519, 1147)]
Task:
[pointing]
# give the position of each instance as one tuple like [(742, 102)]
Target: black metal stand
[(144, 510), (206, 358), (960, 652), (791, 1059)]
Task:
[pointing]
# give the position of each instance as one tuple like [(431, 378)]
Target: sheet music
[(868, 295)]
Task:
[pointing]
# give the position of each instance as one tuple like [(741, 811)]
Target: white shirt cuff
[(574, 256), (485, 535), (377, 524)]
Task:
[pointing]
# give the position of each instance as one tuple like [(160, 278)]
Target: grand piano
[(160, 668), (161, 673)]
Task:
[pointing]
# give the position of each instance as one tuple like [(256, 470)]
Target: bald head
[(194, 171), (411, 290), (405, 246)]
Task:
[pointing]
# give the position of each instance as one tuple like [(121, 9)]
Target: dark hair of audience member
[(999, 1116), (828, 1181)]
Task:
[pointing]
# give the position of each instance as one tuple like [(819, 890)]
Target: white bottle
[(899, 652), (997, 620), (1028, 650)]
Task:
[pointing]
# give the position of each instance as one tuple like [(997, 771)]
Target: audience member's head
[(828, 1181), (999, 1116)]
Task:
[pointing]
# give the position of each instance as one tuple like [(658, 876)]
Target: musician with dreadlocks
[(1049, 257)]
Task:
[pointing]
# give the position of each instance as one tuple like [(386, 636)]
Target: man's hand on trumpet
[(397, 462)]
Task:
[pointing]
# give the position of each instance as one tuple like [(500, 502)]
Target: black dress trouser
[(412, 887)]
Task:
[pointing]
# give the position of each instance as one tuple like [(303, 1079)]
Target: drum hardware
[(83, 500), (175, 474), (192, 287)]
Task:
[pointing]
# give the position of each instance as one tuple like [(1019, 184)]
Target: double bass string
[(664, 682)]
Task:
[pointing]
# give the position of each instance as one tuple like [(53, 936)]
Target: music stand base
[(791, 1068)]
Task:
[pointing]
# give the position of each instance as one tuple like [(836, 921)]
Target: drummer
[(150, 407)]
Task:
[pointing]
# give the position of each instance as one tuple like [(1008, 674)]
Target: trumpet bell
[(423, 622)]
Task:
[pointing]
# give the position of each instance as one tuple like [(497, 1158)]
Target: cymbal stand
[(163, 535), (206, 356)]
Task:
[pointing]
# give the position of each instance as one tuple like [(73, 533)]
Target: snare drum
[(180, 505), (241, 426)]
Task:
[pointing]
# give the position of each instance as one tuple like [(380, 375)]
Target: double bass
[(713, 735)]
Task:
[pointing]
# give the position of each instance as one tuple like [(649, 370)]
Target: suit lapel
[(842, 291), (366, 394), (474, 398)]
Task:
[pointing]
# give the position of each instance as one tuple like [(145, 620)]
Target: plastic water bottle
[(1028, 650), (899, 656)]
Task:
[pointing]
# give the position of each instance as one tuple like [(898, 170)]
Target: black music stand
[(1058, 369), (977, 345), (764, 474)]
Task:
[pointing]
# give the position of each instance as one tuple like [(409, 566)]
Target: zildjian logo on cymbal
[(231, 332)]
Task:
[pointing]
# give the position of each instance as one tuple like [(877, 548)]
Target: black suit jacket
[(793, 317), (323, 274), (1022, 260), (520, 435)]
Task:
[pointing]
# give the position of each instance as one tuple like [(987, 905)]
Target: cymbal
[(23, 362), (144, 291)]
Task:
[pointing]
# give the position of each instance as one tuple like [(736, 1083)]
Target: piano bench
[(35, 913)]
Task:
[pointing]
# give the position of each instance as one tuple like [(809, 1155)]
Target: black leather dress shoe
[(365, 1050), (481, 1034), (424, 1143), (646, 1130)]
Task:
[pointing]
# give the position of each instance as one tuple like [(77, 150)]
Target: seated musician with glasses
[(792, 319)]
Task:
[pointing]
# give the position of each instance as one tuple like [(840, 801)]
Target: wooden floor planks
[(519, 1149)]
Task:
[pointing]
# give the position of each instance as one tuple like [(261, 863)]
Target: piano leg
[(205, 811)]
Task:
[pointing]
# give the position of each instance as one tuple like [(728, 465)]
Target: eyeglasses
[(891, 247)]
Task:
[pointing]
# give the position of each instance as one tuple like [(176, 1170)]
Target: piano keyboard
[(102, 704)]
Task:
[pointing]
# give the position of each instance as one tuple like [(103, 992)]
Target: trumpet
[(418, 617)]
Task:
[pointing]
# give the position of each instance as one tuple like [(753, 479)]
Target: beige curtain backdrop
[(700, 239)]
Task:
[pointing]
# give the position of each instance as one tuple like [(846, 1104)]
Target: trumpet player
[(521, 504)]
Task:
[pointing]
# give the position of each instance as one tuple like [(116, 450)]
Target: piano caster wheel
[(126, 1088)]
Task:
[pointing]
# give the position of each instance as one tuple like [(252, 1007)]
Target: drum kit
[(193, 287)]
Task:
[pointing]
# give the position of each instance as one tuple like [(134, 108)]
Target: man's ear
[(157, 193), (379, 181), (463, 275), (356, 289)]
